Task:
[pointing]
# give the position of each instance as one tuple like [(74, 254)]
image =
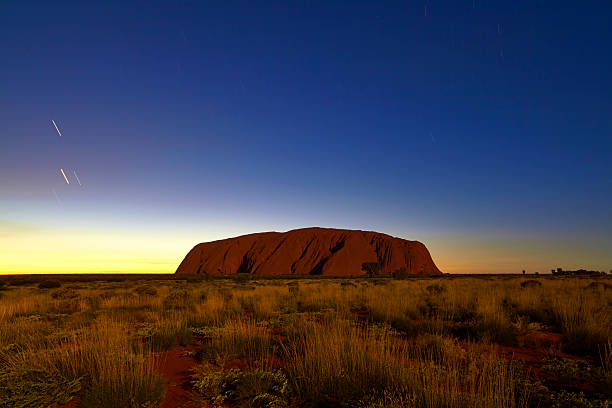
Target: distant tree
[(241, 277), (401, 273), (372, 268)]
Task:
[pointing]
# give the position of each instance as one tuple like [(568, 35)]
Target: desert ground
[(171, 341)]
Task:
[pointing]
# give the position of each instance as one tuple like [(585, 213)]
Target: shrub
[(401, 273), (571, 370), (598, 286), (531, 284), (485, 329), (405, 326), (49, 284), (146, 291), (436, 289), (177, 300), (254, 389), (567, 399)]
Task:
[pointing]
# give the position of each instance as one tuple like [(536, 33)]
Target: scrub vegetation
[(360, 342)]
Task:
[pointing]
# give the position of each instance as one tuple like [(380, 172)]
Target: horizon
[(132, 133)]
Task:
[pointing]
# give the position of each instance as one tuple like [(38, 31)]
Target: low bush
[(253, 389), (65, 294), (241, 277), (436, 289), (23, 387), (571, 370), (49, 284), (178, 299), (569, 399), (531, 284), (598, 286)]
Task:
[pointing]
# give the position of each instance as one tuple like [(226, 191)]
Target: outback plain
[(232, 204), (248, 341)]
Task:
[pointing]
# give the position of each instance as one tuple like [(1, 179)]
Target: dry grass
[(364, 343)]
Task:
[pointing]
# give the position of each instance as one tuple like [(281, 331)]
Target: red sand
[(316, 251), (174, 367)]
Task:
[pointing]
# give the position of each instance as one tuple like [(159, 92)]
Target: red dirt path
[(174, 366)]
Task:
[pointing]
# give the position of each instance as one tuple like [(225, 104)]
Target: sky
[(480, 128)]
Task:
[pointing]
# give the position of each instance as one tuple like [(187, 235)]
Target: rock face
[(309, 251)]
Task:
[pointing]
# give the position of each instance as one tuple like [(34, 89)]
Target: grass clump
[(146, 291), (238, 340), (177, 300), (164, 334), (585, 321), (124, 385), (571, 370), (23, 387)]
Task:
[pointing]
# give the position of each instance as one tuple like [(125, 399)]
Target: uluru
[(308, 251)]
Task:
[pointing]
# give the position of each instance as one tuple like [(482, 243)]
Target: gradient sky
[(481, 128)]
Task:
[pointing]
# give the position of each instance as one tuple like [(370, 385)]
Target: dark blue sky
[(483, 129)]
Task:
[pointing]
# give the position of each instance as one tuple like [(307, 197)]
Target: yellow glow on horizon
[(73, 251), (28, 249), (499, 254)]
